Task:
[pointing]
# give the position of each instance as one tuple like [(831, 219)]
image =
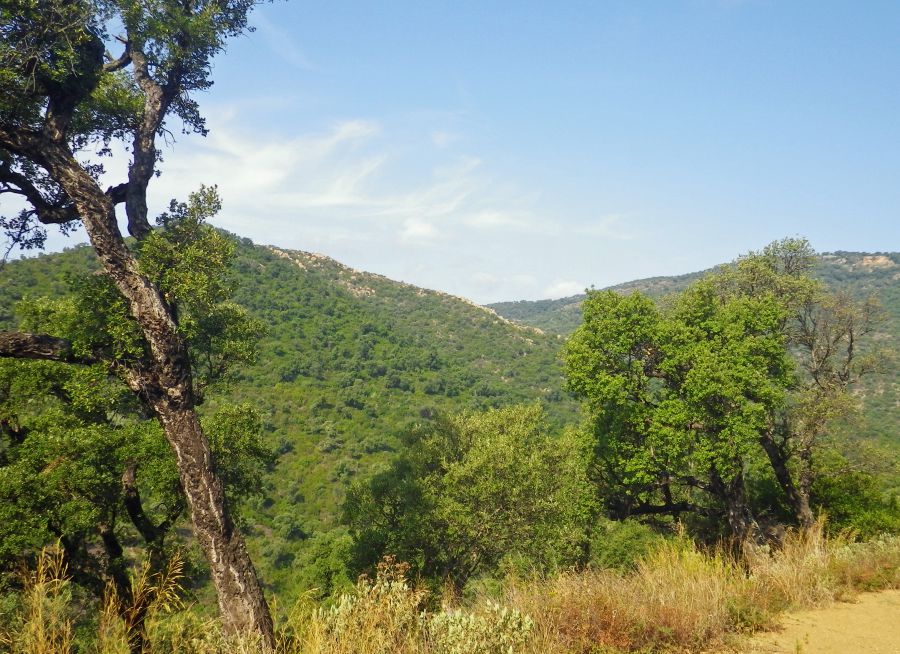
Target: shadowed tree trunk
[(797, 494)]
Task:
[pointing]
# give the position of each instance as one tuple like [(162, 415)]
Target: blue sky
[(523, 150)]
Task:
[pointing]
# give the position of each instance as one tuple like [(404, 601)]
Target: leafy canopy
[(472, 489)]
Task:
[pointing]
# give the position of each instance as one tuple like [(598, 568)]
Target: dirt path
[(868, 625)]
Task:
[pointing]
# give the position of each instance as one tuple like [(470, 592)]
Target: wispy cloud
[(418, 231), (281, 43), (493, 218), (443, 139), (611, 226), (351, 174), (372, 194)]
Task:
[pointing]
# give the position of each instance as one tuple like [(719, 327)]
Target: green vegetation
[(66, 102), (471, 491), (397, 421), (349, 364), (857, 273), (340, 420), (727, 387)]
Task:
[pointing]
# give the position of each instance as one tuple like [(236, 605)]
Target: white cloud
[(256, 175), (493, 218), (418, 231), (564, 288), (365, 193)]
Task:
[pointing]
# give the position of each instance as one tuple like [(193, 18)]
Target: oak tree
[(75, 77), (831, 339)]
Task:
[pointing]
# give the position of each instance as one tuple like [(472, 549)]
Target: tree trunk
[(733, 494), (164, 382), (797, 494), (240, 595)]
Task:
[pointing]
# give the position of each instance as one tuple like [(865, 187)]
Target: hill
[(350, 361), (862, 273)]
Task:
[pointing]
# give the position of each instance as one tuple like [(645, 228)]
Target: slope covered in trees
[(349, 363)]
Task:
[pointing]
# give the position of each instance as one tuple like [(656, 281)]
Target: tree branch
[(156, 103), (26, 142), (118, 193), (123, 60), (668, 508), (132, 500), (22, 345), (48, 213)]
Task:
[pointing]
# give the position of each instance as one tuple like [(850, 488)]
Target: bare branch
[(123, 60), (49, 213)]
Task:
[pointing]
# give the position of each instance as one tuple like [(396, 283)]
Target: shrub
[(621, 544), (492, 629)]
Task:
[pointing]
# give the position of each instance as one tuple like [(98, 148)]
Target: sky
[(527, 150)]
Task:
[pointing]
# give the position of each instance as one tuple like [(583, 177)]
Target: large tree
[(677, 398), (734, 380), (830, 337), (65, 98)]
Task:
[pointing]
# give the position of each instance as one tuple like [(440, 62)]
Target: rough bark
[(164, 382), (240, 595), (733, 493), (23, 345)]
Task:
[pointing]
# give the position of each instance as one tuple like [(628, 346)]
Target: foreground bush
[(676, 599)]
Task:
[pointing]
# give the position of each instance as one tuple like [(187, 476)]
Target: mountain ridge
[(563, 315)]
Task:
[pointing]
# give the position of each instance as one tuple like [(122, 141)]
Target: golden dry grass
[(679, 599)]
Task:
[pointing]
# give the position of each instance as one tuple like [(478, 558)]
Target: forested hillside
[(859, 272), (350, 362)]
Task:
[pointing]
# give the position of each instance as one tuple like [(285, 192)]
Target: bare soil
[(869, 624)]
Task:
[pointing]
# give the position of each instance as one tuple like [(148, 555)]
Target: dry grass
[(45, 624), (678, 600), (684, 600)]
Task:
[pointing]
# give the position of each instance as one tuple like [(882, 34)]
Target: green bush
[(621, 544)]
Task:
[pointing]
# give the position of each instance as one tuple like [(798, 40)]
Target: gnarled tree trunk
[(241, 599), (163, 381)]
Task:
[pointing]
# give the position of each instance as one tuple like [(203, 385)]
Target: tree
[(743, 372), (81, 466), (471, 489), (63, 96), (676, 399), (829, 336)]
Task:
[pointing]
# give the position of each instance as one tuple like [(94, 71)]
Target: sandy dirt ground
[(870, 624)]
